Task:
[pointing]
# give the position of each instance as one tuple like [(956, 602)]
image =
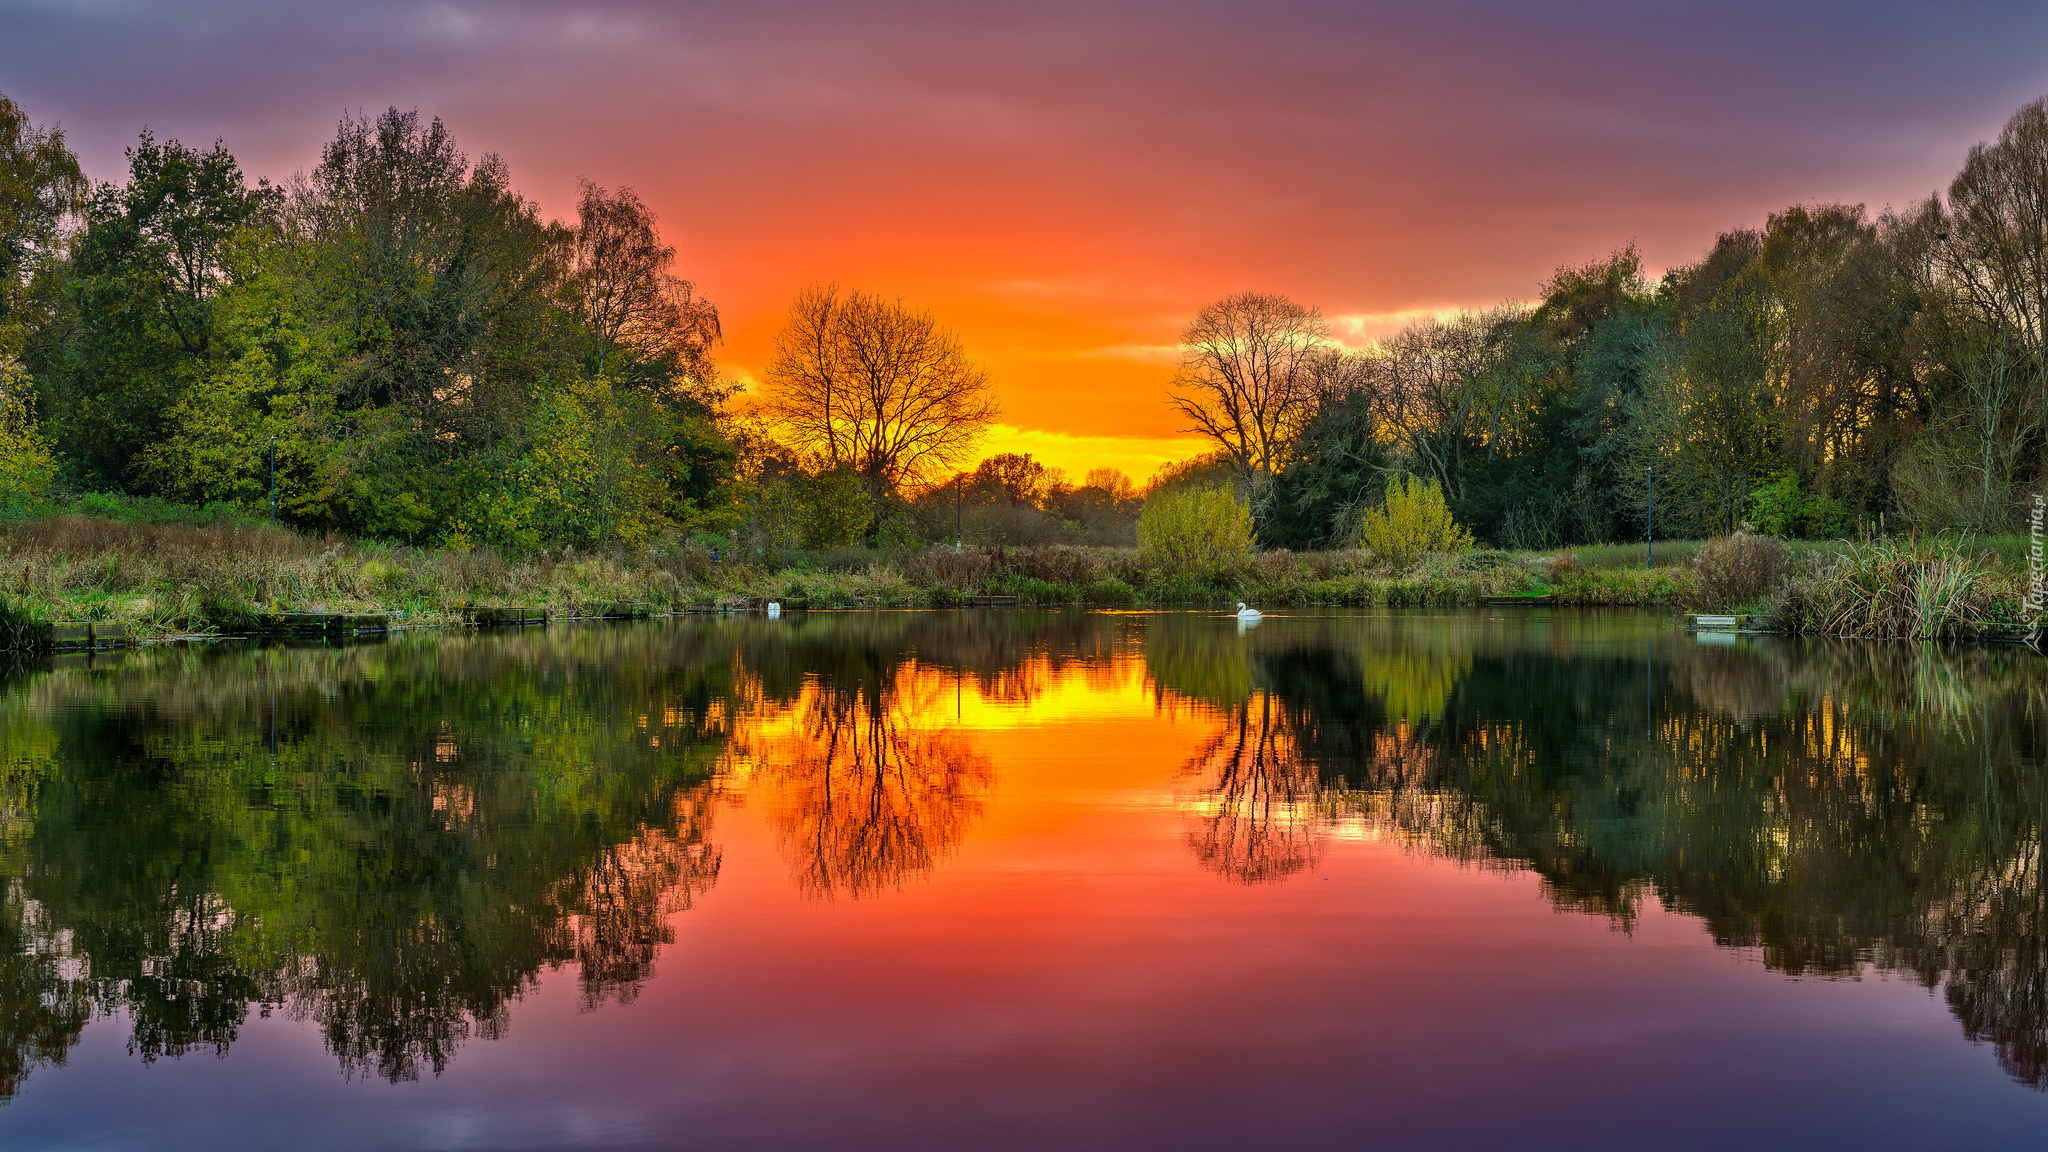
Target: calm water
[(1028, 880)]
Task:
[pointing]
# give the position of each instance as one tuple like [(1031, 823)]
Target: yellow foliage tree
[(1414, 520), (1195, 532)]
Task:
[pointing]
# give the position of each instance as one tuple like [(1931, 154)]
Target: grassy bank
[(167, 579), (163, 579)]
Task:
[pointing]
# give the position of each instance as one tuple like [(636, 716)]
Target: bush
[(1054, 563), (1740, 569), (1195, 532), (1112, 593), (1485, 559), (1415, 520), (1781, 508)]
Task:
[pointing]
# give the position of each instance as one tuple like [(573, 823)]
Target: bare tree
[(1992, 243), (875, 385), (1995, 247), (1962, 470), (1253, 368), (1442, 386), (626, 294)]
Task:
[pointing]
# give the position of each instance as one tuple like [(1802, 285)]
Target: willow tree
[(872, 384)]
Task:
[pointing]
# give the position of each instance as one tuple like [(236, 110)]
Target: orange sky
[(1065, 183)]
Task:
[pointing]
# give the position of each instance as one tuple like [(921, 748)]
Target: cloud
[(1361, 329), (1161, 354)]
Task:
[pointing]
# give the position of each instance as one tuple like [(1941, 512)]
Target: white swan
[(1244, 613), (774, 609)]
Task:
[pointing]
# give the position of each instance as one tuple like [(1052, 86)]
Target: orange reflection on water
[(873, 783)]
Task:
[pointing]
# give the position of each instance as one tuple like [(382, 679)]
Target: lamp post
[(1650, 518), (273, 481), (959, 498)]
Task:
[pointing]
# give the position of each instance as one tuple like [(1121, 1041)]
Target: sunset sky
[(1065, 183)]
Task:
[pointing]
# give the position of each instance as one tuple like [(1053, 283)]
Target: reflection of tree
[(1833, 807), (1006, 656), (1303, 721), (868, 792), (392, 841), (42, 1011), (389, 841), (1254, 818), (620, 907)]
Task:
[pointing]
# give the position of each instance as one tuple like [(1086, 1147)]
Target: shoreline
[(159, 583)]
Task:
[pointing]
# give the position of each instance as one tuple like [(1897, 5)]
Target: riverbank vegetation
[(171, 579)]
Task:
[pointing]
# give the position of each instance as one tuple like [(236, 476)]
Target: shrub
[(1484, 559), (1111, 592), (1201, 531), (1030, 590), (1054, 563), (1740, 569), (1415, 520), (1781, 508), (967, 570)]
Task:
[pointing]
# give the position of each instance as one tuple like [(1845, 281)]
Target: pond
[(1018, 879)]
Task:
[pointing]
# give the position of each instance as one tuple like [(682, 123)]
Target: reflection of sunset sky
[(1066, 183)]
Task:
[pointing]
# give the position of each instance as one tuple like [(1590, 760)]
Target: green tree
[(596, 474), (791, 508), (40, 185), (27, 465), (152, 268)]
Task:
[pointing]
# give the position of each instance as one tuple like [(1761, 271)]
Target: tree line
[(397, 336), (1827, 373), (399, 345)]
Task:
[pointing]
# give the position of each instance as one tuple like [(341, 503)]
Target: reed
[(1913, 587)]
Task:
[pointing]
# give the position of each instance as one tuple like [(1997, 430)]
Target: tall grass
[(1921, 588)]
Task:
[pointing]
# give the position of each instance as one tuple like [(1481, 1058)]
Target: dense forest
[(1828, 373), (411, 351)]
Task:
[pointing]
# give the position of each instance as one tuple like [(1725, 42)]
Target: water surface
[(1027, 880)]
